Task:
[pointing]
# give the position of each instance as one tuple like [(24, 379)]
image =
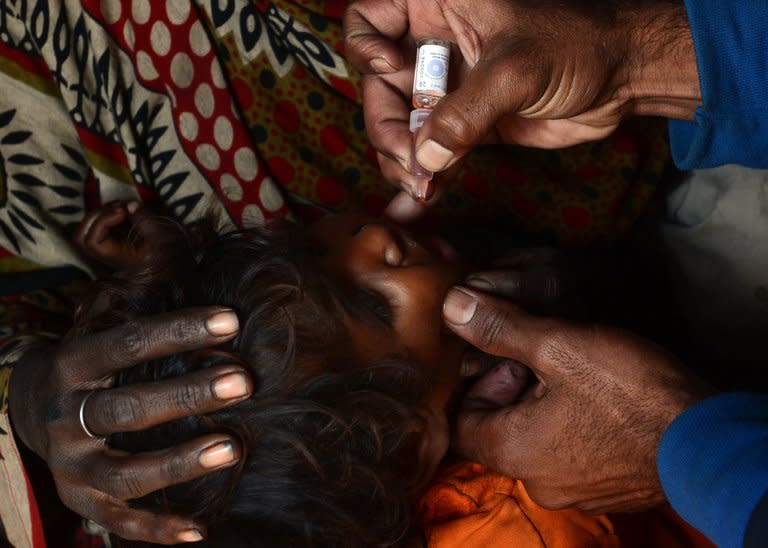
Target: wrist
[(662, 77)]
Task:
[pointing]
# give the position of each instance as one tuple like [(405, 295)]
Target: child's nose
[(382, 237)]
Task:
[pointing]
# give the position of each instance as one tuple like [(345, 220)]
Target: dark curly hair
[(327, 440)]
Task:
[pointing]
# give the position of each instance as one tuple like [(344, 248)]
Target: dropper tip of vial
[(424, 176), (423, 189)]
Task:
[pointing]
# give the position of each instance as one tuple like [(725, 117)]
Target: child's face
[(402, 280)]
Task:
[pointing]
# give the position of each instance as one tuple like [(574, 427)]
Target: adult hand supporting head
[(585, 434), (48, 386), (546, 75)]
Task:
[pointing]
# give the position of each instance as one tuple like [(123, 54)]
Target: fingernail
[(192, 535), (222, 323), (231, 386), (480, 283), (381, 65), (132, 207), (422, 190), (433, 156), (217, 455), (459, 307)]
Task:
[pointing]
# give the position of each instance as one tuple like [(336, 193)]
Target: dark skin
[(538, 74), (547, 75), (583, 430), (50, 381)]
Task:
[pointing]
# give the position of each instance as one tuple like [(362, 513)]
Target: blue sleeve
[(731, 127), (713, 464)]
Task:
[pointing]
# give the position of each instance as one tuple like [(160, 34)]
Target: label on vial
[(431, 72)]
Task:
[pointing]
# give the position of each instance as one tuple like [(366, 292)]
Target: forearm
[(731, 53), (662, 77)]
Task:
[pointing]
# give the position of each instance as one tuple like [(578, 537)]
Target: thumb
[(500, 328), (465, 117), (537, 286)]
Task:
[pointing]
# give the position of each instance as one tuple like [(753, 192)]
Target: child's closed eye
[(376, 303)]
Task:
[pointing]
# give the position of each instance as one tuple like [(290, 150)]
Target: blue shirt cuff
[(731, 42), (713, 464)]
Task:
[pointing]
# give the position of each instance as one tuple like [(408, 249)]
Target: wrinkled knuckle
[(122, 413), (454, 127), (117, 481), (176, 467), (350, 20), (189, 398), (184, 330), (131, 342), (360, 46), (491, 330)]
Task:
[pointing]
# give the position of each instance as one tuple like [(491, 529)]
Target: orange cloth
[(469, 506)]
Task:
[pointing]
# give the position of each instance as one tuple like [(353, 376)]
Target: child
[(355, 376), (341, 328)]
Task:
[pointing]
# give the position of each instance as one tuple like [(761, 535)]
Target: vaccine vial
[(422, 188), (430, 79)]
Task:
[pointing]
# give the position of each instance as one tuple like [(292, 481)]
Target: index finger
[(97, 355), (135, 524), (369, 47), (387, 112)]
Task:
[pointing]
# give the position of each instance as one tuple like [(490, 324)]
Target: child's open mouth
[(501, 385), (500, 382)]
